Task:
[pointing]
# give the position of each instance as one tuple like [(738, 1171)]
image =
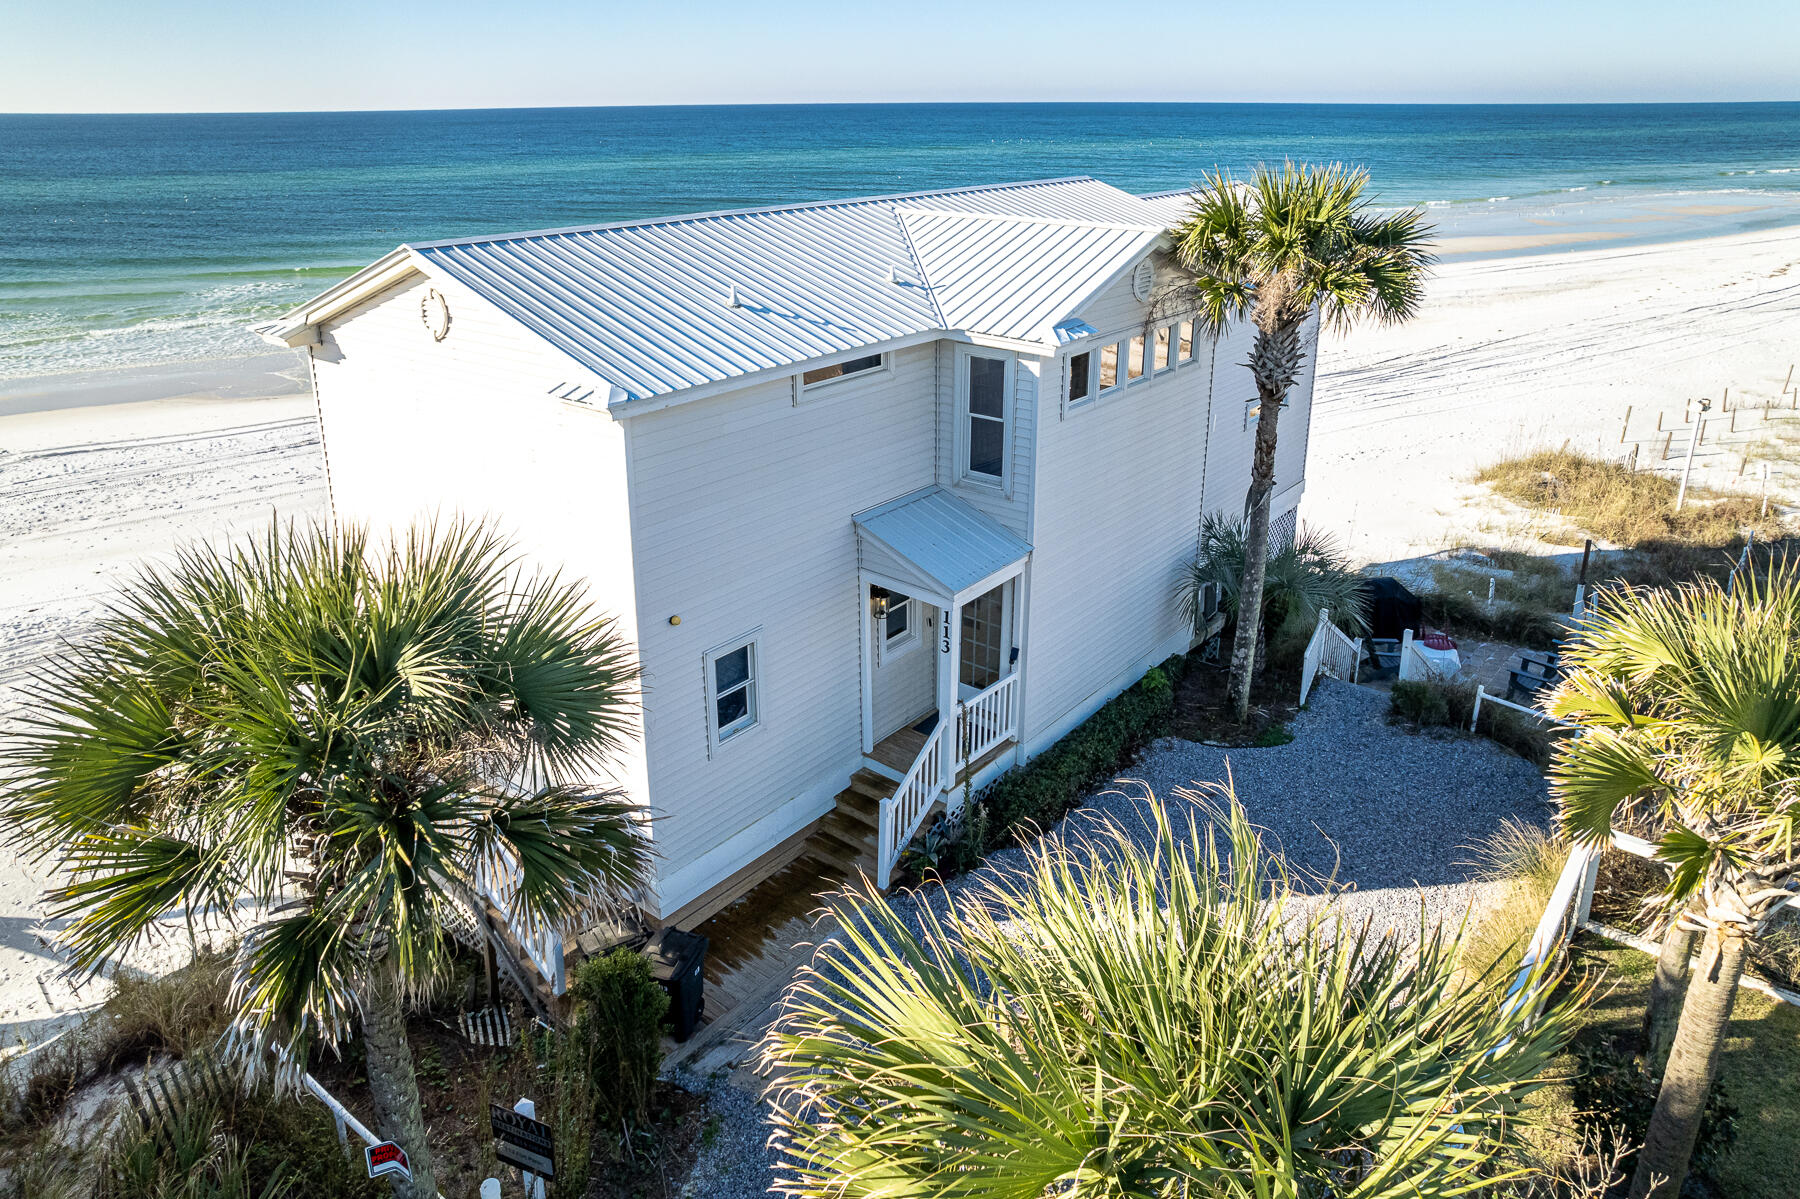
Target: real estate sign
[(522, 1141)]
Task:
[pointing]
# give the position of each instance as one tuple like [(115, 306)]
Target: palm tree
[(1301, 577), (1689, 702), (1146, 1013), (346, 727), (1293, 241)]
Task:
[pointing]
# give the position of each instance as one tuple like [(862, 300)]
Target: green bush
[(1515, 624), (1436, 704), (1039, 793), (232, 1144), (618, 1030)]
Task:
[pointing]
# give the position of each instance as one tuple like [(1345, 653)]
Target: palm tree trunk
[(1275, 363), (395, 1088), (1693, 1064), (1666, 991)]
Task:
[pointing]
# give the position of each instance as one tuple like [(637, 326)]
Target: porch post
[(866, 637), (949, 673)]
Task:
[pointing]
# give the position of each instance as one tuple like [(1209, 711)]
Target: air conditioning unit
[(1209, 600)]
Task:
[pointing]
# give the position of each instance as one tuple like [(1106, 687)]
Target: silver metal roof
[(654, 307), (1017, 277), (942, 538)]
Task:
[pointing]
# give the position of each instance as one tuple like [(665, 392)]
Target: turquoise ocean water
[(134, 240)]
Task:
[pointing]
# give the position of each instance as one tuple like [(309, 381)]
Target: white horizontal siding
[(416, 428), (741, 511), (1118, 502), (1011, 506), (1232, 451)]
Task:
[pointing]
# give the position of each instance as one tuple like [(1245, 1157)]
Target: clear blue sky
[(196, 55)]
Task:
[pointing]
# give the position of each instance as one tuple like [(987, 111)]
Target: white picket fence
[(1570, 911), (1330, 652)]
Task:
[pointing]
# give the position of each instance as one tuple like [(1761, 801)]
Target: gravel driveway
[(1389, 814)]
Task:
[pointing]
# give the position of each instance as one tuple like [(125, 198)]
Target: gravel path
[(1390, 815)]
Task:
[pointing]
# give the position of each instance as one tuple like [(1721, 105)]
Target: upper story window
[(1109, 367), (732, 683), (1163, 336), (984, 423), (843, 370), (1185, 342), (1081, 382), (1135, 365)]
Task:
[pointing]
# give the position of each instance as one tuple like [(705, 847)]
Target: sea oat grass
[(1630, 508)]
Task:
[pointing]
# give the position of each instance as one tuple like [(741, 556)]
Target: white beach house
[(884, 489)]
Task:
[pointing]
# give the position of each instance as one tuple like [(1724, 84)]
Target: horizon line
[(253, 112)]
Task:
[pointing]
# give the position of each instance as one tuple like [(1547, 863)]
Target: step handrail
[(904, 810)]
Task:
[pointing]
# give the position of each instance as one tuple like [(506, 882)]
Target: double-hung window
[(732, 683), (984, 433)]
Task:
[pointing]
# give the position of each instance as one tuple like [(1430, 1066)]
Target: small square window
[(1162, 348), (1109, 367), (1135, 365), (899, 619), (731, 681), (1080, 367)]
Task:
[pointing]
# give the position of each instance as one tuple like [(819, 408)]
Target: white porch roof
[(938, 546)]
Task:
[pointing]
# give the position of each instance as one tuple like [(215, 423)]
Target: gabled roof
[(654, 307), (1016, 277), (944, 541)]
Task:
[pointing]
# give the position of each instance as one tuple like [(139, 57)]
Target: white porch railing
[(1330, 652), (986, 720), (904, 810)]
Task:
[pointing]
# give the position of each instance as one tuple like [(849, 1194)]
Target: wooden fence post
[(1625, 424)]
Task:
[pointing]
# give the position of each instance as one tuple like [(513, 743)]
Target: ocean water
[(135, 240)]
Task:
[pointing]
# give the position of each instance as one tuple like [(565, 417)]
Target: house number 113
[(946, 648)]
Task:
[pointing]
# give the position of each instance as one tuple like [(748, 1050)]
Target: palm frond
[(1146, 1011), (310, 705)]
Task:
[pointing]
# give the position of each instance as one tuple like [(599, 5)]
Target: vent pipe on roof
[(731, 296)]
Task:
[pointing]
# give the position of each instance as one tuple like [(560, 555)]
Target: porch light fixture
[(878, 602)]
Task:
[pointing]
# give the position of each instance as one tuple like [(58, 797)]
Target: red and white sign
[(387, 1158)]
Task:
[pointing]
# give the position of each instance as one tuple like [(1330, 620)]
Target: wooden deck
[(898, 751), (761, 936)]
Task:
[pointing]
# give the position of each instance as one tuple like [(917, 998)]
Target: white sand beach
[(1508, 353), (1518, 353), (87, 492)]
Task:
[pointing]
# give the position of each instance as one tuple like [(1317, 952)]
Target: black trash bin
[(679, 962)]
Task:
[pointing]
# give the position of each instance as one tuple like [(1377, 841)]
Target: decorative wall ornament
[(1143, 280), (434, 311)]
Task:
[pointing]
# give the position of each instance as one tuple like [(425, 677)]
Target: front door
[(986, 636)]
